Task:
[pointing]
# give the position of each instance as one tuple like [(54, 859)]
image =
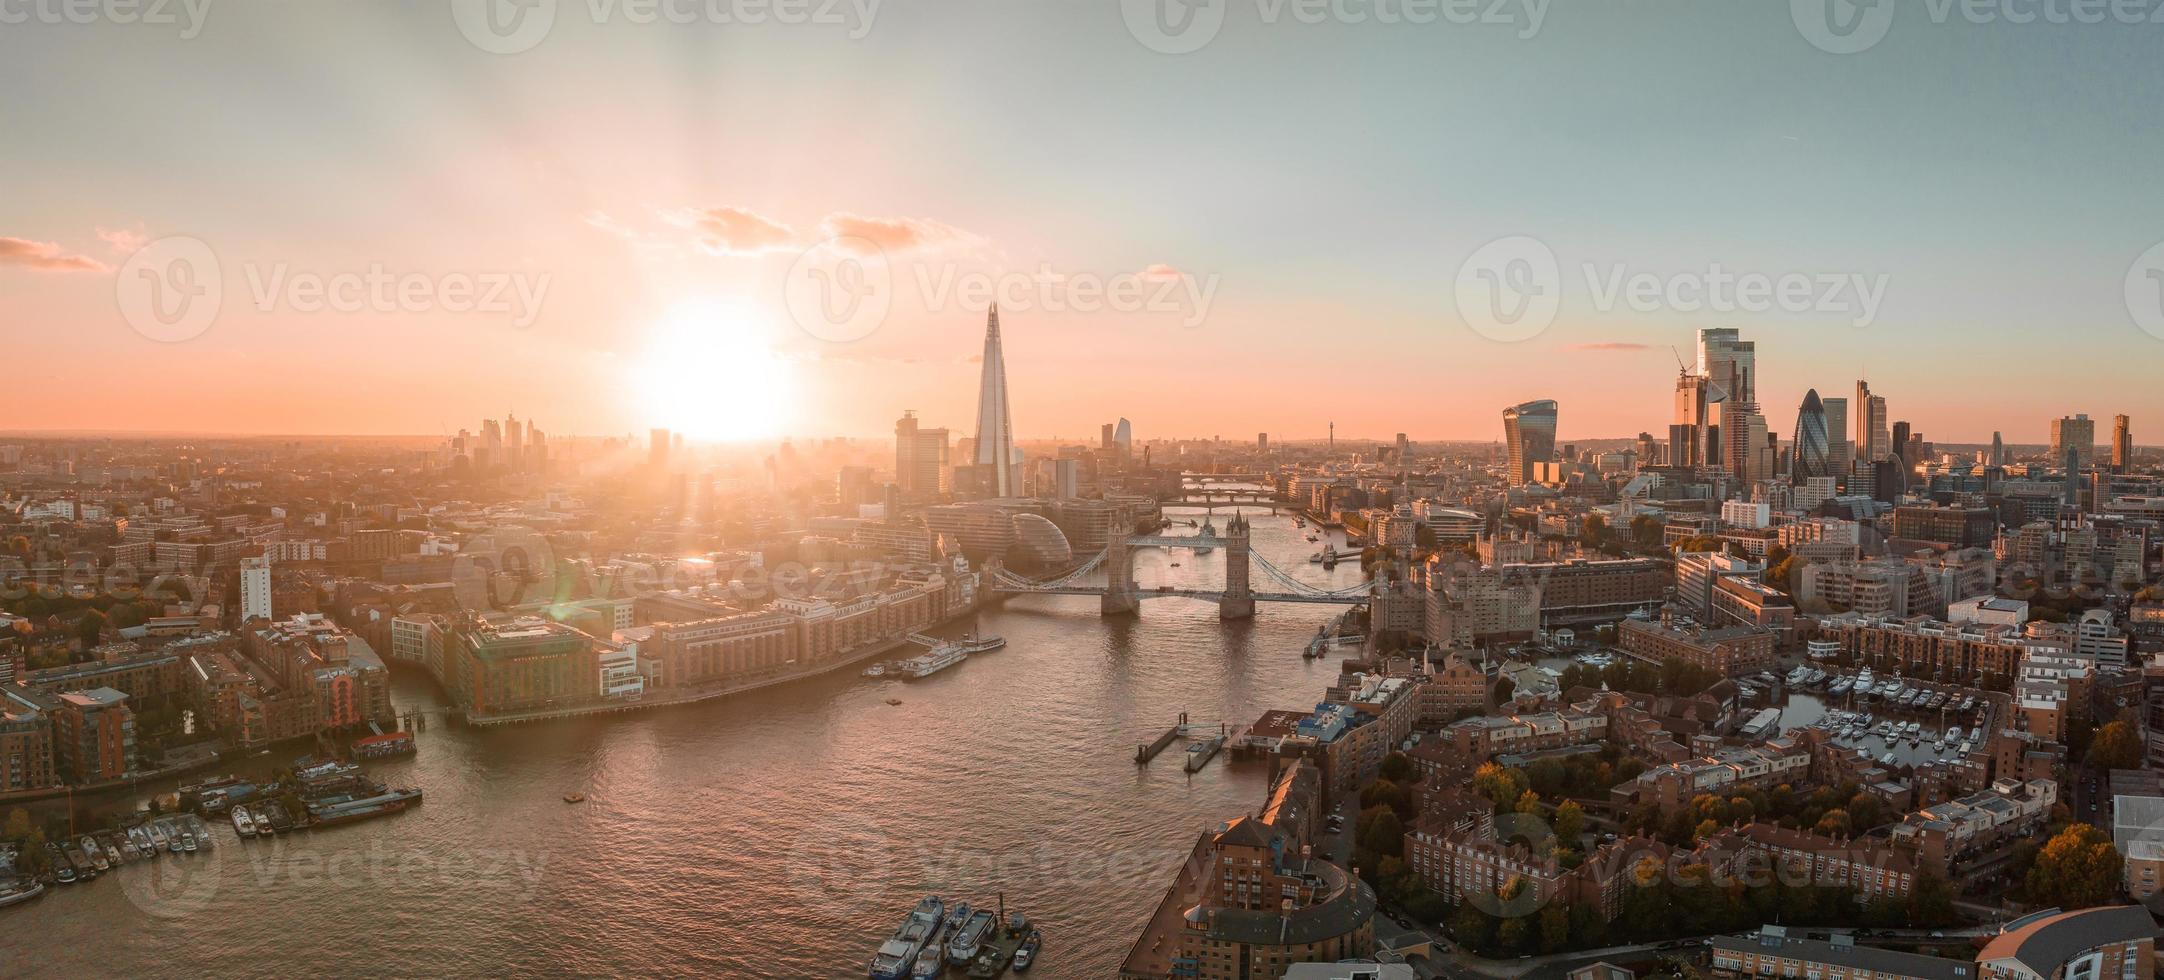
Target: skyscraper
[(2122, 443), (1687, 434), (1730, 366), (995, 428), (1998, 451), (1814, 450), (1529, 433), (1838, 450), (2077, 432), (1123, 439)]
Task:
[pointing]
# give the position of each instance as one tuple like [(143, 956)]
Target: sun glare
[(710, 371)]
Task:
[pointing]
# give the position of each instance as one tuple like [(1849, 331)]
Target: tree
[(90, 627), (2078, 868), (1528, 804), (1554, 928), (1471, 927), (1504, 688), (1381, 832), (1834, 824), (2115, 747), (1569, 821), (1500, 785), (1397, 768)]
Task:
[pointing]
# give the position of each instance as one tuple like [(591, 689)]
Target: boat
[(379, 805), (894, 702), (956, 916), (112, 854), (188, 842), (97, 854), (157, 836), (942, 657), (173, 845), (1954, 734), (385, 745), (22, 894), (876, 670), (1886, 760), (243, 824), (1175, 564), (969, 938), (574, 797), (1839, 686), (1027, 953), (928, 965), (897, 957)]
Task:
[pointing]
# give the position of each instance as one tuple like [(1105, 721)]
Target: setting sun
[(710, 372)]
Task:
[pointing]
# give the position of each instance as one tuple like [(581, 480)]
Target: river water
[(782, 833)]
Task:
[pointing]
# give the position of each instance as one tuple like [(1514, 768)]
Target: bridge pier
[(1120, 598), (1238, 601)]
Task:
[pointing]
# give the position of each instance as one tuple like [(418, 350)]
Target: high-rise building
[(1687, 433), (1529, 432), (1874, 437), (1730, 366), (1998, 450), (1123, 439), (255, 589), (995, 427), (920, 457), (1838, 449), (2122, 443), (1262, 442), (2079, 432), (1814, 450), (1899, 446)]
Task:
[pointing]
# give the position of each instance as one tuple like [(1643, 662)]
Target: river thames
[(781, 833)]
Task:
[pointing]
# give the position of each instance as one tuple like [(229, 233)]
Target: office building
[(2122, 444), (1529, 435), (1812, 449), (920, 458), (2077, 432)]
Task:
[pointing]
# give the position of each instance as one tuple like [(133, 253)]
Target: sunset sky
[(1328, 179)]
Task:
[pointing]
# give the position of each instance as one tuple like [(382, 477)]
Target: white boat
[(897, 957), (969, 938), (876, 670), (942, 657), (243, 824)]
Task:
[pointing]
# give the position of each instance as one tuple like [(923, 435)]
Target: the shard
[(995, 427)]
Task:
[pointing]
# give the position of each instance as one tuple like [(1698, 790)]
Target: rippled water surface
[(779, 834)]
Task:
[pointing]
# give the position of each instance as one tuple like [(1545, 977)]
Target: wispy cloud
[(1614, 345), (45, 257), (124, 241), (895, 235), (735, 231)]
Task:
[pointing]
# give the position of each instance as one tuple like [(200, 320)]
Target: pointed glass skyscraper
[(995, 428), (1813, 444)]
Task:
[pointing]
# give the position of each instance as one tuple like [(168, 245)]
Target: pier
[(1145, 752)]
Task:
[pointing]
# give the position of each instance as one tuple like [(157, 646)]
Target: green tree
[(1500, 785), (90, 627), (1529, 803), (1554, 928), (1381, 832), (1397, 768), (1471, 927), (1835, 823)]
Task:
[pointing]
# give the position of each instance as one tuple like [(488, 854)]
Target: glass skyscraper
[(1814, 444), (1529, 430)]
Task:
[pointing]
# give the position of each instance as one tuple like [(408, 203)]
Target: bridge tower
[(1120, 598), (1239, 599)]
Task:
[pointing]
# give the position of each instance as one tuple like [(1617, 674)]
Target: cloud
[(125, 241), (894, 235), (45, 257), (1612, 345), (1158, 271), (735, 231)]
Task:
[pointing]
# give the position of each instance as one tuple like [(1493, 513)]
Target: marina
[(937, 940)]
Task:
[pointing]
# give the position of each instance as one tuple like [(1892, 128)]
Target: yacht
[(942, 657), (876, 670), (97, 854), (1027, 954), (929, 966), (243, 824)]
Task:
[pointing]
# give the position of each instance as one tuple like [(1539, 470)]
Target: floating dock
[(1147, 751), (1200, 754)]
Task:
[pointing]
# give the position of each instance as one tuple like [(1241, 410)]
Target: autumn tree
[(2115, 747), (2078, 868)]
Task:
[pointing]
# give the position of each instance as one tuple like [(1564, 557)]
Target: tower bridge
[(1236, 599)]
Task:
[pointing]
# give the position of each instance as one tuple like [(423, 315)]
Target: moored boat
[(969, 938), (1027, 953), (243, 824), (897, 957)]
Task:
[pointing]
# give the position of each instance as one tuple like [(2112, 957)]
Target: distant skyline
[(1317, 187)]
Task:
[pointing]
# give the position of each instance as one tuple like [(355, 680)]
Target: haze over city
[(1138, 489)]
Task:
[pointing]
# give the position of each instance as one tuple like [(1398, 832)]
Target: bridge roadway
[(1142, 593)]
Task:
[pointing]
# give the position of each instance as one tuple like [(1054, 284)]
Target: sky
[(617, 224)]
